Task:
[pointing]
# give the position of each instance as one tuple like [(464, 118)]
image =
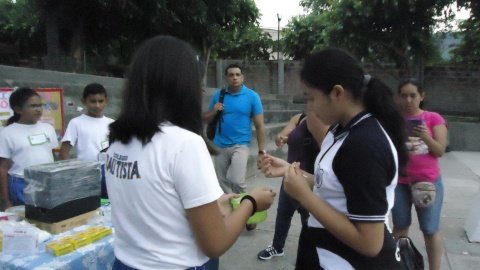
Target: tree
[(205, 23), (66, 27), (122, 25), (111, 30), (397, 30), (108, 27), (303, 34), (250, 43), (469, 49), (400, 31), (19, 31)]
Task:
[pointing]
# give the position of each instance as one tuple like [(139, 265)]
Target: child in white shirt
[(24, 142), (89, 131)]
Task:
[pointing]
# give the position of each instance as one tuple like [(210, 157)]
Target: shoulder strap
[(222, 95), (220, 113), (301, 117)]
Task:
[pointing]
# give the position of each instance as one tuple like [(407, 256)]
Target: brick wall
[(453, 90)]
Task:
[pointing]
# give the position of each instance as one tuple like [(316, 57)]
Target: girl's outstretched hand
[(272, 166), (280, 141), (263, 196), (295, 183)]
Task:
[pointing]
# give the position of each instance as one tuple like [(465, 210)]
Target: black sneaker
[(251, 227), (269, 252)]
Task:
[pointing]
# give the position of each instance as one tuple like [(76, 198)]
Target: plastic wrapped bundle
[(67, 188)]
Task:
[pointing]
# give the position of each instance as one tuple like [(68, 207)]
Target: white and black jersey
[(356, 172)]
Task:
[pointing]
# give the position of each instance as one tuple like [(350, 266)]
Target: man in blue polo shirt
[(241, 106)]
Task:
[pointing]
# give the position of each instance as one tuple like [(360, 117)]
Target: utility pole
[(280, 64), (278, 36)]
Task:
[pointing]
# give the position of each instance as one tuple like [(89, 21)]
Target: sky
[(289, 8), (270, 8)]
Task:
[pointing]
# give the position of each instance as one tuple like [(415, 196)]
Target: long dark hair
[(18, 99), (163, 84), (415, 83), (327, 68)]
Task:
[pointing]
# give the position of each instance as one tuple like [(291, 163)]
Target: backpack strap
[(220, 113), (222, 95)]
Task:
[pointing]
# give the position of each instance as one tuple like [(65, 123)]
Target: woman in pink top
[(427, 142)]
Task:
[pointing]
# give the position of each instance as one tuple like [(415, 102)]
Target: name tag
[(38, 139)]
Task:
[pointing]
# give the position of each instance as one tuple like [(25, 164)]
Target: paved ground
[(461, 175)]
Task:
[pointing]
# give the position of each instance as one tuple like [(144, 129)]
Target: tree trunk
[(207, 49), (52, 38), (78, 47)]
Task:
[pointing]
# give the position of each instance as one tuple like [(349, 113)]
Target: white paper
[(19, 239)]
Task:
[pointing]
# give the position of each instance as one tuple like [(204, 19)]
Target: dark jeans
[(212, 264), (103, 185), (285, 210)]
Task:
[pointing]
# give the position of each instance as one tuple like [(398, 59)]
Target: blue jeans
[(285, 210), (15, 190), (212, 264), (428, 218)]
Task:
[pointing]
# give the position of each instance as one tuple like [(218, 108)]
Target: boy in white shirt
[(89, 131)]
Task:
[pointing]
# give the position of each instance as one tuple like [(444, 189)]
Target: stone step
[(269, 101), (209, 92), (298, 106), (285, 96), (270, 104), (278, 116), (277, 104), (271, 130)]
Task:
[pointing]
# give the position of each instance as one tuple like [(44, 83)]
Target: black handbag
[(411, 257), (212, 126)]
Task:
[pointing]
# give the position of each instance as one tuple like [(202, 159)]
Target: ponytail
[(378, 99), (326, 68), (14, 118)]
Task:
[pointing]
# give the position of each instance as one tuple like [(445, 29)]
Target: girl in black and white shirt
[(356, 171)]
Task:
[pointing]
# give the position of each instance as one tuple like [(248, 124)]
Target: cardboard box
[(63, 211), (64, 225)]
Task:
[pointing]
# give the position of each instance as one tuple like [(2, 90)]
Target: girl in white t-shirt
[(168, 209), (23, 142)]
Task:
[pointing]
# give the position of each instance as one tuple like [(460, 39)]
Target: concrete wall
[(464, 136), (71, 83), (450, 90), (453, 90)]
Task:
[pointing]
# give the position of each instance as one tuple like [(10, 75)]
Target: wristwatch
[(262, 152)]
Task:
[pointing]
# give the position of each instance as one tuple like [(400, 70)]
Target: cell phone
[(415, 122), (412, 123)]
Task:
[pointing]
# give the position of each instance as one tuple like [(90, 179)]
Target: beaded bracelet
[(252, 200)]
